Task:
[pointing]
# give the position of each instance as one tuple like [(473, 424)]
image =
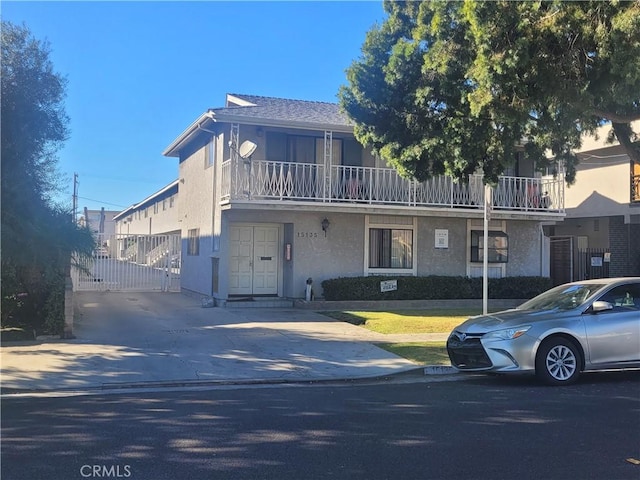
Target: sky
[(139, 73)]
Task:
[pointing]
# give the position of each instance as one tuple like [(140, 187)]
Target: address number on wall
[(307, 234)]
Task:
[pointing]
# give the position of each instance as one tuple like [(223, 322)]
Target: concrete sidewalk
[(126, 339)]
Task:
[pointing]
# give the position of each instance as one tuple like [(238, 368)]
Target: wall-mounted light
[(325, 226)]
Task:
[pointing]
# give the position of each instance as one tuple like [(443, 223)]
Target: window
[(498, 247), (193, 245), (625, 297), (155, 208), (210, 152), (164, 204), (390, 248), (171, 200), (300, 149)]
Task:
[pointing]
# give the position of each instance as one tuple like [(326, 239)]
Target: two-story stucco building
[(275, 191), (601, 233)]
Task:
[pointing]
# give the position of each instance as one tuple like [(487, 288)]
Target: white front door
[(254, 260)]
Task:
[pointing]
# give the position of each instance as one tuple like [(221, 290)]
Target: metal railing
[(271, 180)]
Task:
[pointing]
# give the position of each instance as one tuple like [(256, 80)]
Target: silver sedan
[(579, 326)]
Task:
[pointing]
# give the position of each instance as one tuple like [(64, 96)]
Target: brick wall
[(624, 245), (634, 239)]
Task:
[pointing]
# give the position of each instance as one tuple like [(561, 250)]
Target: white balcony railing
[(270, 180)]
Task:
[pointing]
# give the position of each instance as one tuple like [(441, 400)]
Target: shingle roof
[(285, 110), (267, 111)]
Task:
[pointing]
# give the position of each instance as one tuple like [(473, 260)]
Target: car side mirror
[(601, 306)]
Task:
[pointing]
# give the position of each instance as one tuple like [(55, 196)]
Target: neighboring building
[(99, 221), (601, 235), (148, 233), (275, 191), (156, 214), (102, 225)]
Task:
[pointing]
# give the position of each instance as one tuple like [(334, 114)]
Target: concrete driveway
[(168, 338)]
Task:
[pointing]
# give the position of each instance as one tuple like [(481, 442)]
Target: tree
[(38, 236), (453, 87)]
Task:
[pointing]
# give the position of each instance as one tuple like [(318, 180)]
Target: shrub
[(432, 288)]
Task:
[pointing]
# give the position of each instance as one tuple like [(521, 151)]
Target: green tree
[(38, 236), (453, 87)]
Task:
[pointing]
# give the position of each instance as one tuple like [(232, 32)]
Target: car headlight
[(507, 333)]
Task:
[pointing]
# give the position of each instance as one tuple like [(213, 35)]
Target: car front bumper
[(471, 352)]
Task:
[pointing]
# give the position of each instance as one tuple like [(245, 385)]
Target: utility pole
[(75, 198)]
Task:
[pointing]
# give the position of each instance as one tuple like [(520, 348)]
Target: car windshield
[(564, 297)]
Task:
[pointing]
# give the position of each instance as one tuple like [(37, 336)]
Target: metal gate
[(593, 263), (562, 263), (132, 262)]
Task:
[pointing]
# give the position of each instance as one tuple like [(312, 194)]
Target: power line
[(104, 203)]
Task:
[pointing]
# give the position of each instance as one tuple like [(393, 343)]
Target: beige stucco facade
[(309, 202)]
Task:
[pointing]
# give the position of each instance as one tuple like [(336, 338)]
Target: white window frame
[(388, 222), (474, 269), (210, 152)]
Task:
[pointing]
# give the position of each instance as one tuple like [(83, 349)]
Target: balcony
[(263, 180)]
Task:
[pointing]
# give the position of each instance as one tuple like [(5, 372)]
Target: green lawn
[(422, 353), (410, 321), (406, 321)]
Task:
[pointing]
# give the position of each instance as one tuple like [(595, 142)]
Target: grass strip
[(405, 321), (422, 353)]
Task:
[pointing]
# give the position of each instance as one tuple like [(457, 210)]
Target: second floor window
[(210, 153)]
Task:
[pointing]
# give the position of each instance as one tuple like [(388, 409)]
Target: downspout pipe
[(200, 127)]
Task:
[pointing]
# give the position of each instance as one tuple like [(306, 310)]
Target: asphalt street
[(476, 428)]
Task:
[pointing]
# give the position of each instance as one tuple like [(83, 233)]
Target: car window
[(563, 297), (624, 297)]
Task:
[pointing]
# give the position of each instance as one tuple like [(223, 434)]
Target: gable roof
[(267, 111)]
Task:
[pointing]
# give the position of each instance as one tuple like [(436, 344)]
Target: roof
[(164, 192), (283, 109), (267, 111)]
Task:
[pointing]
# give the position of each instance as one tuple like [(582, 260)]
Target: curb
[(124, 387), (440, 370)]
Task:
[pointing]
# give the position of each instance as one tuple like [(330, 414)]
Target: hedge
[(432, 288)]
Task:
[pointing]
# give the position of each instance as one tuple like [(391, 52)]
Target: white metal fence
[(131, 262)]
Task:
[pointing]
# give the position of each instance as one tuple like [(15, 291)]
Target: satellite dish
[(247, 148)]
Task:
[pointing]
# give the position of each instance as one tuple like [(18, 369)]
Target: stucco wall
[(341, 252), (195, 210), (442, 261), (595, 229), (602, 187), (525, 243)]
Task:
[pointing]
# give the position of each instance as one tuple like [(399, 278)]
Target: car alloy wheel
[(558, 362)]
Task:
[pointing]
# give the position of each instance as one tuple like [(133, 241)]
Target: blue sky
[(139, 73)]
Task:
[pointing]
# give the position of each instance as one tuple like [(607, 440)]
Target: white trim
[(280, 249), (476, 224), (384, 222)]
